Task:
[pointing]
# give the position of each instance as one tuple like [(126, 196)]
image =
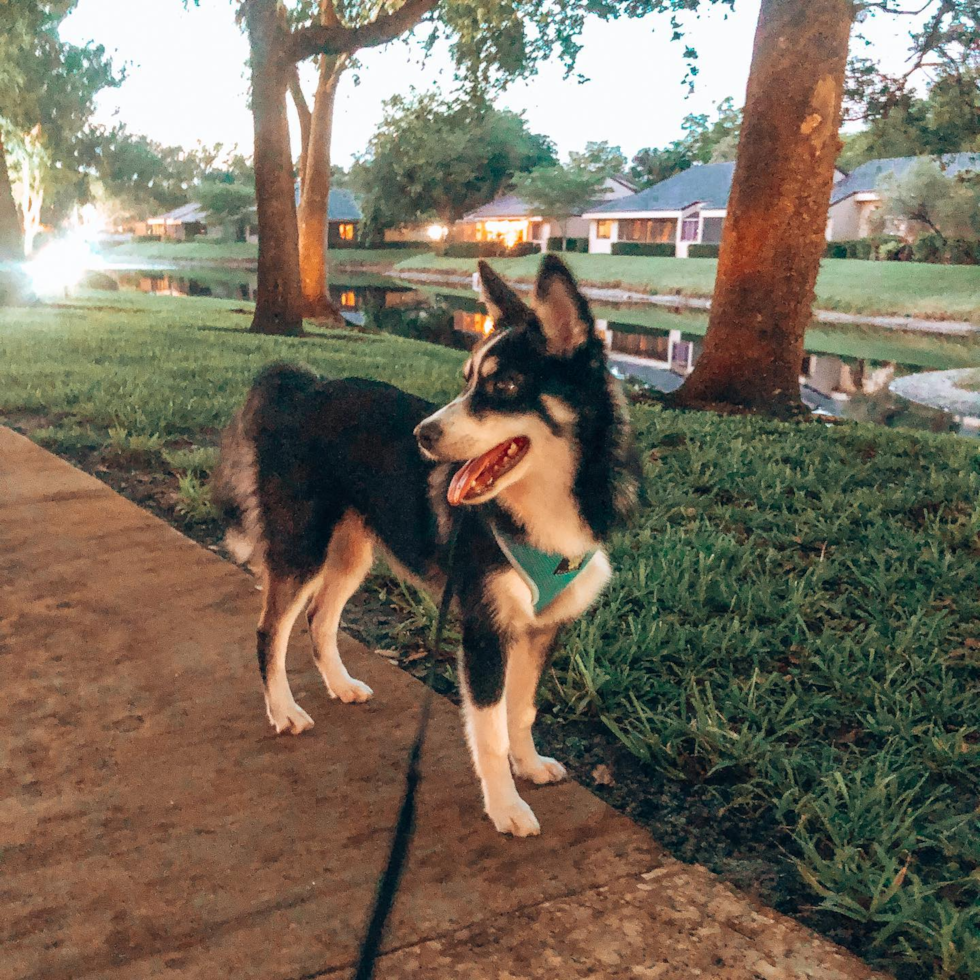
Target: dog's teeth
[(512, 449)]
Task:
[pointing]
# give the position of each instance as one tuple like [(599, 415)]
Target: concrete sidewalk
[(152, 826)]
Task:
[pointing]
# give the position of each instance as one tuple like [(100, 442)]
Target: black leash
[(405, 825)]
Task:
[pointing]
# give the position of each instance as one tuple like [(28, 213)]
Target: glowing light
[(347, 298), (437, 232), (508, 232), (488, 326), (61, 265)]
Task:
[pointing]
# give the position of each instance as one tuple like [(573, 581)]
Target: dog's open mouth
[(477, 477)]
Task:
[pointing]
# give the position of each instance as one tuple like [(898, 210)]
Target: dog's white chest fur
[(514, 605)]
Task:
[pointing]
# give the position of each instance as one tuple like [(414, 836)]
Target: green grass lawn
[(794, 628), (851, 286)]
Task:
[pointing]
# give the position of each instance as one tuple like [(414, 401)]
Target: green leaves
[(438, 157)]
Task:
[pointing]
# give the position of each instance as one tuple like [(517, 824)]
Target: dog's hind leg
[(526, 659), (284, 598), (349, 559), (485, 715)]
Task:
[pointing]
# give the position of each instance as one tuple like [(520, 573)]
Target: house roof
[(707, 183), (185, 214), (343, 206), (506, 206), (514, 206), (867, 177)]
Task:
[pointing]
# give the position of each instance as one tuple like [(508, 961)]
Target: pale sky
[(187, 76)]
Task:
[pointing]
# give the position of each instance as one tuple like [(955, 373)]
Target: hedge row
[(926, 248), (489, 250), (406, 244), (661, 249), (702, 251), (571, 244)]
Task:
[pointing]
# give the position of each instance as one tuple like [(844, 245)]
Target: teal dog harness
[(546, 573)]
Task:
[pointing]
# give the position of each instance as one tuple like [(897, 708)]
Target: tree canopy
[(705, 140), (47, 96), (437, 157), (945, 120), (561, 191), (948, 205)]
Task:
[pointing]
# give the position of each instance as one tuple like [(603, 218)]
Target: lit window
[(603, 229), (347, 298), (347, 232)]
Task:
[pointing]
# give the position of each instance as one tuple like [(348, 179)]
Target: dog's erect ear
[(502, 302), (566, 319)]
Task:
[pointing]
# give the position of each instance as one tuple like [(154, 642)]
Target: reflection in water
[(852, 387)]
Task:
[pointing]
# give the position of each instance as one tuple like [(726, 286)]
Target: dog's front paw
[(540, 770), (516, 818), (351, 691), (288, 717)]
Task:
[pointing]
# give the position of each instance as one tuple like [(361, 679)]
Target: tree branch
[(299, 99), (305, 119), (328, 14), (309, 41)]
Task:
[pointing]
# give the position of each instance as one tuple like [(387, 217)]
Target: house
[(686, 209), (857, 197), (182, 223), (344, 217), (191, 221), (681, 210), (511, 220)]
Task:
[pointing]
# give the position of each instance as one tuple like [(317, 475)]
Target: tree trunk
[(11, 241), (15, 287), (315, 195), (777, 212), (278, 308)]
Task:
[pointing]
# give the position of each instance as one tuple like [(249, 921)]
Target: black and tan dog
[(315, 476)]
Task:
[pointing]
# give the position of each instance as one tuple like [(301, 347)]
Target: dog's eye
[(505, 386)]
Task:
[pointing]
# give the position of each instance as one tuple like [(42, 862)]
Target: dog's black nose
[(428, 434)]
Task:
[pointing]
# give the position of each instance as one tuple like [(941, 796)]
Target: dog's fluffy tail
[(234, 490)]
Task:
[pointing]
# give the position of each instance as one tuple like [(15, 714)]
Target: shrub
[(571, 244), (147, 238), (960, 251), (473, 250), (523, 248), (703, 251), (385, 245), (928, 248), (661, 249), (880, 247)]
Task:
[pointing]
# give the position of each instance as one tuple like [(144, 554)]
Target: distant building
[(686, 209), (182, 223), (511, 220), (690, 207), (192, 220), (681, 210), (344, 217), (857, 197)]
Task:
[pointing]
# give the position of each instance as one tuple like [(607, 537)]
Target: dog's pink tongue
[(468, 474)]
